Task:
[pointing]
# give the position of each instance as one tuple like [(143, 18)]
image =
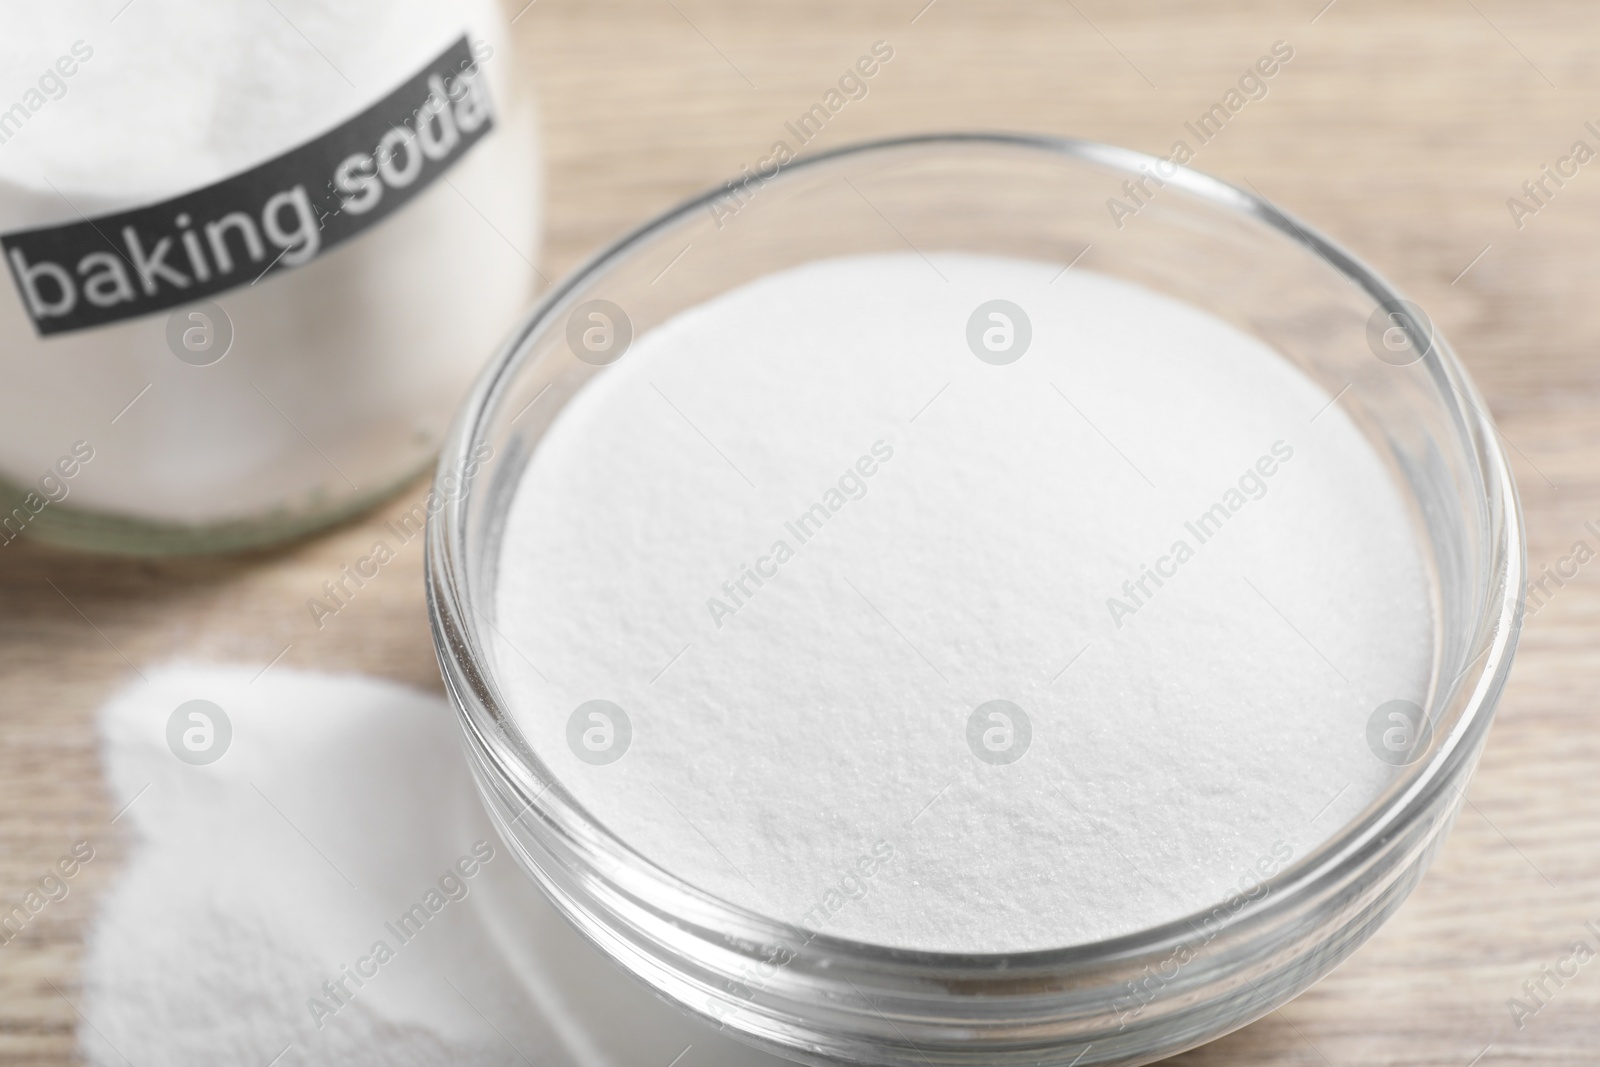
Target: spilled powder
[(340, 805), (801, 694)]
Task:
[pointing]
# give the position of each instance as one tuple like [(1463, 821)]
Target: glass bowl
[(822, 999)]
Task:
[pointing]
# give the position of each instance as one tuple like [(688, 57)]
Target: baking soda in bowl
[(960, 603), (253, 281)]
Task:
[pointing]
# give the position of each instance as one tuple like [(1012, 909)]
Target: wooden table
[(1400, 127)]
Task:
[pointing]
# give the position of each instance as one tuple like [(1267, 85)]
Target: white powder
[(337, 806), (343, 372), (800, 746)]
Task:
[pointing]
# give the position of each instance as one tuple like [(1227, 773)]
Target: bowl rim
[(1497, 623)]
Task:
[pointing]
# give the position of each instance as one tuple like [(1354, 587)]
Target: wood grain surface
[(1400, 127)]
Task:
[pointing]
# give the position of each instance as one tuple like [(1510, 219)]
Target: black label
[(274, 217)]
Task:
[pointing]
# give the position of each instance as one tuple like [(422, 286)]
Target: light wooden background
[(1400, 127)]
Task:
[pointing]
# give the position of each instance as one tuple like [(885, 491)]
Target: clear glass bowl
[(825, 1000)]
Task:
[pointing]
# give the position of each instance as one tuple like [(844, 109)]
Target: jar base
[(121, 535)]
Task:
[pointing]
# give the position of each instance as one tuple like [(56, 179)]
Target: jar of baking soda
[(255, 253)]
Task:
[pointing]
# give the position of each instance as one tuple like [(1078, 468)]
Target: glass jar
[(822, 999), (248, 289)]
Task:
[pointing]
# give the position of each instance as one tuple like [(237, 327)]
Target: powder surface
[(338, 806), (132, 126), (814, 745), (343, 372)]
